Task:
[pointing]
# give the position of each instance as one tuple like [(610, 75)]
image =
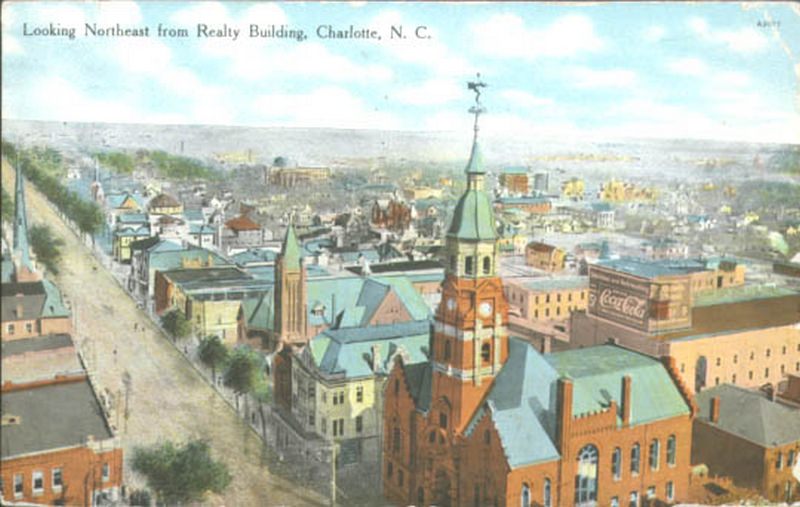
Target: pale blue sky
[(691, 70)]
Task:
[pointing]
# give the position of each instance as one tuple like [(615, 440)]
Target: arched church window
[(586, 477), (486, 353), (525, 496), (468, 265), (487, 265)]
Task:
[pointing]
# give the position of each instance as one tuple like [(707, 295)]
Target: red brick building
[(58, 447), (755, 441), (489, 421)]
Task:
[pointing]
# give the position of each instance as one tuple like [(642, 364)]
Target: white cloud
[(654, 33), (745, 40), (585, 77), (328, 106), (508, 36), (688, 66), (525, 99), (430, 53), (434, 91)]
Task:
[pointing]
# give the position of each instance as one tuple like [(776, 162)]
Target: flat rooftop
[(741, 293), (551, 284), (35, 344), (51, 417)]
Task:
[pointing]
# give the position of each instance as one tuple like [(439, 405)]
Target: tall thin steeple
[(21, 247), (291, 319)]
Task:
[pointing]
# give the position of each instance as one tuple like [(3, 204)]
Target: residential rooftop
[(558, 283), (742, 293), (750, 415)]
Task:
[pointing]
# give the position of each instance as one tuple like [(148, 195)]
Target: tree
[(213, 354), (181, 473), (241, 374), (46, 247), (7, 203), (176, 324)]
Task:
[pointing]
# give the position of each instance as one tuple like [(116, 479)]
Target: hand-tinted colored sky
[(689, 70)]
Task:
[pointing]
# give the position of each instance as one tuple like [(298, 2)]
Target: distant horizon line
[(403, 131)]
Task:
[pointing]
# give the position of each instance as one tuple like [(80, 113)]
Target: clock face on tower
[(485, 308)]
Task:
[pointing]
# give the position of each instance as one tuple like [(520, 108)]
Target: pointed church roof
[(290, 250), (21, 248), (475, 163)]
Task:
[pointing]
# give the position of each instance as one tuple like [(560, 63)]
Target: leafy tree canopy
[(46, 247), (181, 473), (242, 372)]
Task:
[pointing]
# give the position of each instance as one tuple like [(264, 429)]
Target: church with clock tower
[(487, 420)]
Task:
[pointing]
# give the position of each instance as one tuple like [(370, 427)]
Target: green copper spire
[(473, 218), (21, 249), (290, 251)]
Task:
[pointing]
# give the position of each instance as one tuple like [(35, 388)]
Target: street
[(168, 399)]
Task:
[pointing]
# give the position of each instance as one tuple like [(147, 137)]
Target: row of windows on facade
[(337, 425), (337, 397), (766, 373), (28, 328), (767, 353), (790, 459), (38, 482), (557, 312), (586, 476), (470, 264)]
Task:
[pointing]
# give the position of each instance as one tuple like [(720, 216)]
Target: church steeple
[(470, 340), (21, 248), (291, 316)]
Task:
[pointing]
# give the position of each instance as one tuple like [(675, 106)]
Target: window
[(670, 492), (614, 501), (341, 397), (547, 499), (432, 437), (719, 361), (569, 297), (324, 426), (487, 265), (769, 352), (779, 461), (312, 391), (486, 353), (38, 482), (359, 394), (10, 329), (443, 420), (735, 358), (389, 470), (634, 499), (790, 461), (400, 477), (525, 496), (784, 350), (338, 427), (28, 327), (655, 451), (616, 464), (396, 439), (558, 297), (359, 424), (547, 298), (750, 375), (106, 472), (311, 420), (752, 355), (17, 485), (716, 381), (447, 349), (58, 478), (671, 445), (586, 477), (651, 493), (635, 452), (420, 496), (324, 397), (733, 378), (468, 268), (766, 372), (547, 312)]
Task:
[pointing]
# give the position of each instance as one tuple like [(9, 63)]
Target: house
[(515, 180), (164, 204), (543, 256), (742, 434), (241, 233), (32, 309), (122, 238)]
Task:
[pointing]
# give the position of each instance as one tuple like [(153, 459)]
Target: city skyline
[(703, 71)]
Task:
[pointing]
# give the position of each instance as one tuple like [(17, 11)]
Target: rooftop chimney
[(376, 358), (714, 417), (626, 400)]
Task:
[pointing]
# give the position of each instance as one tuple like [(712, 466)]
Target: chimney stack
[(714, 416), (376, 358), (626, 400)]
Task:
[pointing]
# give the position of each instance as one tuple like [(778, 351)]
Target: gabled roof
[(258, 312), (163, 201), (522, 405), (349, 352), (39, 299), (242, 223), (750, 415)]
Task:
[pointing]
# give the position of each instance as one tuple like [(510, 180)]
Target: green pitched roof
[(597, 372), (473, 218), (475, 163), (290, 251)]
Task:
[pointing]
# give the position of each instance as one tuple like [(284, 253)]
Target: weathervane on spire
[(478, 108)]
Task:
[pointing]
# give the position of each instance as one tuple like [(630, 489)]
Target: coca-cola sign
[(619, 299)]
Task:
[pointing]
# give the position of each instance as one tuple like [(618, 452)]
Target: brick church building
[(488, 420)]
